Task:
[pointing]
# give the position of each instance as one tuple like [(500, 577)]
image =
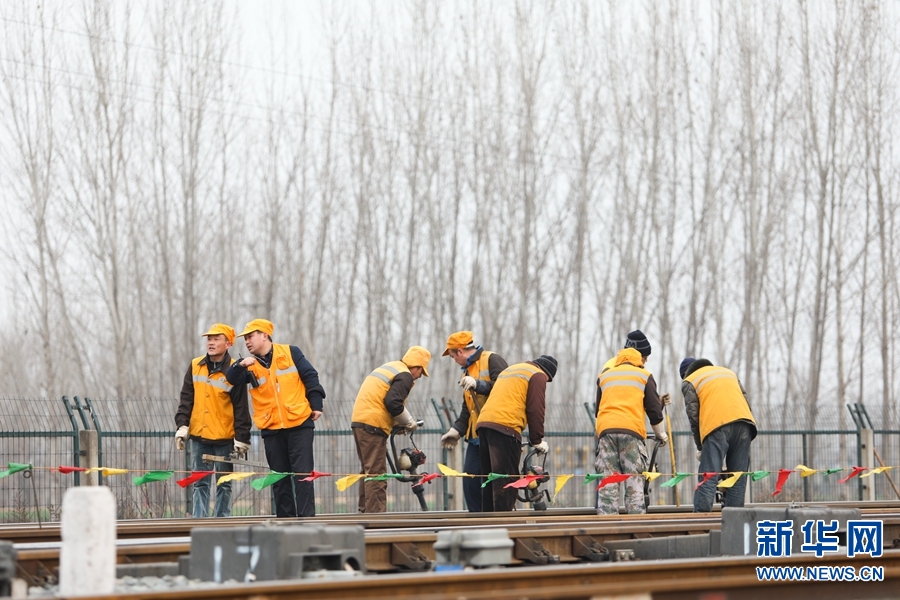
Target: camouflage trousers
[(621, 453)]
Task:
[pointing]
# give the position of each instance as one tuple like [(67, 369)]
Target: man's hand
[(467, 383), (406, 421), (666, 399), (241, 449), (316, 414), (699, 454), (247, 361), (660, 434), (541, 448), (181, 437), (450, 439)]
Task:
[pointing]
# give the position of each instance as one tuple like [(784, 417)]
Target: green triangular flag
[(678, 477), (14, 468), (757, 475), (592, 477), (492, 477), (152, 476), (268, 480), (830, 471), (385, 477)]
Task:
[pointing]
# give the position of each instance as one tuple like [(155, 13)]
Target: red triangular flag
[(783, 475), (614, 478), (856, 471), (706, 477), (313, 475), (194, 476), (428, 477), (67, 470), (522, 482)]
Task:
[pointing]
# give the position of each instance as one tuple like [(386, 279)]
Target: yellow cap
[(460, 339), (258, 325), (417, 356), (221, 329)]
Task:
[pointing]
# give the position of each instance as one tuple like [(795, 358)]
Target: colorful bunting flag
[(429, 477), (67, 470), (757, 475), (194, 477), (14, 468), (651, 475), (876, 471), (234, 477), (679, 477), (830, 471), (783, 475), (152, 476), (107, 472), (494, 476), (561, 480), (273, 477), (614, 478), (313, 475), (345, 482), (856, 471), (592, 477), (727, 483), (522, 482), (448, 472), (706, 477), (805, 471)]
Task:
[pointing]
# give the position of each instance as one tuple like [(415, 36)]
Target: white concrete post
[(87, 561), (867, 441)]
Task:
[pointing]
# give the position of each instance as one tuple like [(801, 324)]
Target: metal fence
[(137, 434)]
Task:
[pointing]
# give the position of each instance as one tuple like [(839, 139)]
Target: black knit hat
[(637, 340), (683, 367), (548, 364)]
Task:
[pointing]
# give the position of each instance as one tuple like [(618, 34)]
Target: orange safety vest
[(212, 417), (622, 396), (721, 398), (369, 407), (506, 404), (480, 370), (280, 400)]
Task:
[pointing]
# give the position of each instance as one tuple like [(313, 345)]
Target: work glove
[(660, 434), (405, 421), (541, 448), (467, 383), (666, 399), (241, 449), (699, 454), (180, 437), (450, 439)]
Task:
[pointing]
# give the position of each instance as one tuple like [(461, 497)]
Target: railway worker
[(215, 416), (722, 424), (287, 400), (380, 405), (625, 393), (517, 400), (480, 370)]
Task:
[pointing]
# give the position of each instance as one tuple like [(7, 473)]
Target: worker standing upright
[(214, 414), (480, 371), (287, 400)]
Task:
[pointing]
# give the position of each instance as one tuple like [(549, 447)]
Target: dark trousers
[(472, 485), (500, 453), (291, 451), (371, 448), (729, 443)]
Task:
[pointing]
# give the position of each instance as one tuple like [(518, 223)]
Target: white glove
[(467, 383), (450, 439), (405, 421), (180, 437), (666, 399), (541, 448), (241, 449), (660, 434), (699, 454)]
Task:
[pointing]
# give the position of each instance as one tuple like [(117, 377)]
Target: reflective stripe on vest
[(622, 399), (212, 417), (721, 398), (506, 405), (369, 406), (279, 402)]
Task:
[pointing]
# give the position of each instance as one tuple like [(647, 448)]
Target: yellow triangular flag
[(108, 472), (805, 471), (344, 482), (448, 472), (651, 475), (233, 477), (561, 480), (727, 483), (876, 471)]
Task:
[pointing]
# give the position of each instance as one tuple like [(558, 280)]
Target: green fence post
[(76, 451), (99, 430)]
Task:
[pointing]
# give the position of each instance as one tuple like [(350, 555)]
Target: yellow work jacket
[(280, 400), (622, 395), (480, 371), (369, 407), (721, 398), (212, 417), (506, 405)]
